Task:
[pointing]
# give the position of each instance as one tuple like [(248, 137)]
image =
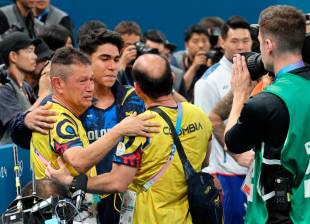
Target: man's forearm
[(84, 159), (218, 131), (238, 102), (104, 183), (189, 76)]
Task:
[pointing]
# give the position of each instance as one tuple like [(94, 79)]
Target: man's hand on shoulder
[(41, 119), (138, 125)]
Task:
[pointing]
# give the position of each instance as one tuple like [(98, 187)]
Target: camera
[(215, 32), (255, 64), (143, 49), (214, 54)]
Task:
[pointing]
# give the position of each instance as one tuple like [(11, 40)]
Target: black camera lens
[(255, 64), (215, 54), (143, 49)]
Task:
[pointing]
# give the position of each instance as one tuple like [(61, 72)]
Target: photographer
[(275, 122), (130, 32), (193, 60), (155, 39), (215, 83), (18, 53)]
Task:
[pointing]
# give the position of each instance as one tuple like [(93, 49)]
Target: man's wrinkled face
[(78, 87), (237, 41), (105, 63), (197, 42)]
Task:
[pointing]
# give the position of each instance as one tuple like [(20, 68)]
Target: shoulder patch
[(65, 129)]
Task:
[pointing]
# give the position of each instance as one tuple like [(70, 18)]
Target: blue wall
[(170, 16)]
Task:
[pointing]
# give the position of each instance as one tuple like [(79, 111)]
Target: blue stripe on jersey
[(210, 70)]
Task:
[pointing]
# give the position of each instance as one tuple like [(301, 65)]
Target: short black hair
[(196, 28), (88, 26), (55, 36), (234, 22), (91, 41), (155, 35), (154, 87)]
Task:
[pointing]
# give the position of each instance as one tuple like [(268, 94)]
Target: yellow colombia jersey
[(166, 201), (67, 132)]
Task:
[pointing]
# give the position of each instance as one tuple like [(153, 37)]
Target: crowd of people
[(86, 113)]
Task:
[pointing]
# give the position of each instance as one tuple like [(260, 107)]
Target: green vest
[(295, 154)]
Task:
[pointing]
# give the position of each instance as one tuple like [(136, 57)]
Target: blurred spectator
[(214, 25), (86, 27), (50, 15), (131, 34), (18, 53), (56, 36), (155, 39), (169, 49), (19, 17), (193, 60), (214, 84), (44, 54)]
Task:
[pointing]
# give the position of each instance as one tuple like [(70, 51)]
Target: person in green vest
[(275, 123)]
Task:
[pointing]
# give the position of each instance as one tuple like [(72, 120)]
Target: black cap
[(171, 46), (43, 52), (14, 42), (155, 36)]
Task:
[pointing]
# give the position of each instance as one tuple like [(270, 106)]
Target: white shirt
[(208, 91)]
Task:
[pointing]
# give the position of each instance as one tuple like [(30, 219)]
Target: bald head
[(153, 74)]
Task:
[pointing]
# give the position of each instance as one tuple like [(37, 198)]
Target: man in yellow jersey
[(72, 93), (139, 159)]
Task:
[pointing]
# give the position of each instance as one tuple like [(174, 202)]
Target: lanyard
[(289, 68), (151, 182)]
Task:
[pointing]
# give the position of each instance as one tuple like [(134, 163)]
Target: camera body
[(214, 54), (143, 49)]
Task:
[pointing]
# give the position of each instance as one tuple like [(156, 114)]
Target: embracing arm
[(115, 181), (83, 159)]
